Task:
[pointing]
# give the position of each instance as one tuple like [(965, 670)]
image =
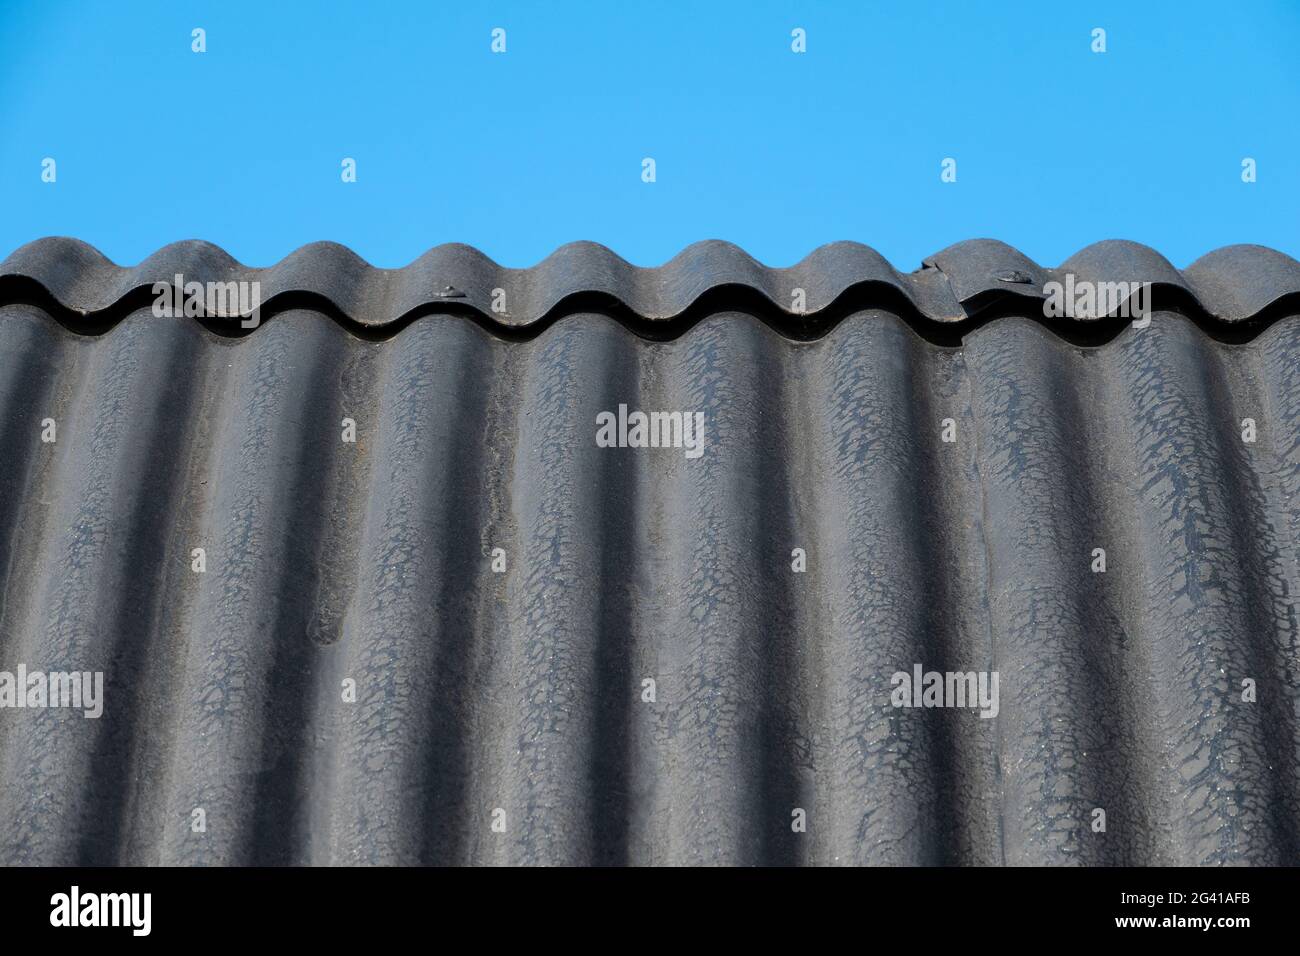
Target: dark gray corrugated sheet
[(522, 690), (1231, 284)]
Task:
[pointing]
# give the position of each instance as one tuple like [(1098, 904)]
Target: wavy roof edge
[(1232, 284)]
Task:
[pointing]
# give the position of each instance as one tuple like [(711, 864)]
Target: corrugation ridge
[(1196, 612), (615, 778), (783, 737), (657, 824), (802, 468), (150, 472), (1270, 599), (550, 741), (312, 575), (109, 548), (334, 526), (38, 831), (1233, 284), (883, 792), (31, 350), (1279, 384), (962, 632), (716, 714), (251, 682), (492, 620), (1147, 802), (173, 636), (410, 648), (444, 818), (81, 587), (1061, 640)]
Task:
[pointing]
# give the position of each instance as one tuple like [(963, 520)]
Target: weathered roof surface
[(524, 690)]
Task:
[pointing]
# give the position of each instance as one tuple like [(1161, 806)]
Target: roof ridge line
[(1232, 284)]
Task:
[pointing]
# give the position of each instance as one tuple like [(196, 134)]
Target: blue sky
[(517, 153)]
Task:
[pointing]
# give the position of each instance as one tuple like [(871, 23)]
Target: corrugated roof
[(524, 691)]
